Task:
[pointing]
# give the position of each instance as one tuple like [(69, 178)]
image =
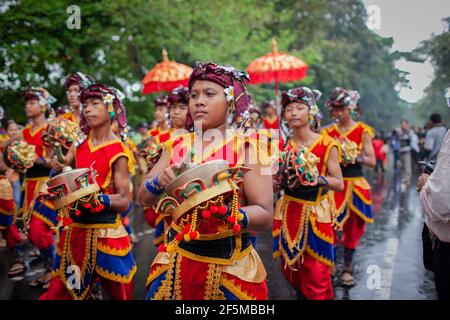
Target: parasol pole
[(165, 56), (275, 67)]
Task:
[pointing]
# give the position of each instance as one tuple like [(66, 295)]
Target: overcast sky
[(409, 22)]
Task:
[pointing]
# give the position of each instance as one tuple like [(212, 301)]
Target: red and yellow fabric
[(70, 116), (132, 150), (7, 204), (159, 135), (30, 189), (356, 133), (354, 202), (182, 275), (303, 233), (35, 138), (272, 123), (98, 252)]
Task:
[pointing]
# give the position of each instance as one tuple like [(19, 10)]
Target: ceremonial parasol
[(166, 75), (276, 66)]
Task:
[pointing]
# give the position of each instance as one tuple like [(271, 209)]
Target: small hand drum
[(202, 191), (71, 186)]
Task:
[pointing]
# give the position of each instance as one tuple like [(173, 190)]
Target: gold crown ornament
[(62, 131), (19, 155), (150, 151), (300, 163), (201, 192), (349, 150)]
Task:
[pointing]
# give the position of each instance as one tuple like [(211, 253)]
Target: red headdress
[(112, 98), (233, 82)]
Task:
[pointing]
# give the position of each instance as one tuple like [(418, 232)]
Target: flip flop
[(37, 282), (349, 282), (17, 268), (46, 284)]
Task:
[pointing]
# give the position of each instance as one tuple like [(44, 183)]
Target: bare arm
[(3, 166), (259, 195), (369, 153), (334, 176), (146, 198), (121, 200)]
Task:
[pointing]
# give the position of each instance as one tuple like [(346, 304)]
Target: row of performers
[(204, 226)]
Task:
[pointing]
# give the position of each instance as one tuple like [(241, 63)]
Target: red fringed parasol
[(165, 76), (276, 66)]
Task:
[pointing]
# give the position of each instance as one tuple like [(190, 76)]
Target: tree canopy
[(119, 41)]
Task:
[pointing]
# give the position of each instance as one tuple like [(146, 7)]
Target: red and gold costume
[(354, 203), (220, 265), (70, 116), (303, 230), (159, 135), (42, 223), (7, 204), (37, 175), (100, 248), (272, 123)]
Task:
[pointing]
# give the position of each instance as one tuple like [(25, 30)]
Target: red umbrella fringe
[(280, 76), (162, 86)]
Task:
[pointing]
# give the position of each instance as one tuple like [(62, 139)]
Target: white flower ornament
[(229, 92)]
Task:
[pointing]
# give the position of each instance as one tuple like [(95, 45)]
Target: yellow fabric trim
[(159, 270), (318, 257), (276, 254), (235, 289), (93, 148), (111, 162), (345, 134), (114, 225), (302, 227), (363, 199), (320, 197), (280, 208), (332, 144), (237, 254), (113, 251), (30, 127), (37, 179), (370, 131), (276, 232), (43, 219), (115, 277), (312, 146), (159, 240), (360, 214), (319, 233), (208, 237), (8, 213)]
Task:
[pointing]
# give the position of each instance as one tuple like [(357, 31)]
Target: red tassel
[(206, 214), (223, 210)]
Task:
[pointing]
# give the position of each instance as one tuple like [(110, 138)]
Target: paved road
[(388, 264)]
